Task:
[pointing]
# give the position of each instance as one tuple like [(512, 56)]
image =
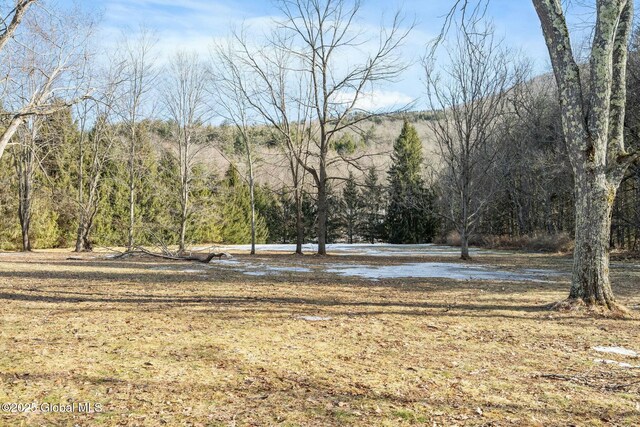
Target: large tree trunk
[(594, 204), (593, 124)]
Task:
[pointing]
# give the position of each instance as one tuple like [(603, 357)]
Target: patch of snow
[(617, 350), (255, 273), (432, 270), (314, 318), (225, 262), (378, 249), (614, 362), (268, 269), (288, 269)]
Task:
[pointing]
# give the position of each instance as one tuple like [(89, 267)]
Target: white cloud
[(376, 100)]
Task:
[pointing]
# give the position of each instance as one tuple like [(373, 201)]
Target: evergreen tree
[(351, 208), (236, 212), (334, 229), (409, 215), (372, 226)]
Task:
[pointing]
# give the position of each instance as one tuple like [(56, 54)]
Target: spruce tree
[(372, 225), (236, 212), (351, 208), (409, 214)]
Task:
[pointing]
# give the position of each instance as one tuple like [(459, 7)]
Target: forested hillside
[(530, 205)]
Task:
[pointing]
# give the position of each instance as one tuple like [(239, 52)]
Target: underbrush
[(539, 242)]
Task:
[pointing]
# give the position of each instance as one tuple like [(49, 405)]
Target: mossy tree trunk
[(593, 111)]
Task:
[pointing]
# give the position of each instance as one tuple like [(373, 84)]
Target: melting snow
[(613, 362), (617, 350), (433, 270), (255, 273), (454, 271), (379, 249)]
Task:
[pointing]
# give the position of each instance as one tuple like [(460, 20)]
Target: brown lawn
[(153, 344)]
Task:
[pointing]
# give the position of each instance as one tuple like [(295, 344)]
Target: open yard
[(350, 339)]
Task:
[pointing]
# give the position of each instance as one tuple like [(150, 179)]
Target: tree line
[(110, 151)]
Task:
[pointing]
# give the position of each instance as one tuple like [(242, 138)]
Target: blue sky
[(193, 25)]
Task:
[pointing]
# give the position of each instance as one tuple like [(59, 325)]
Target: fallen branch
[(203, 259)]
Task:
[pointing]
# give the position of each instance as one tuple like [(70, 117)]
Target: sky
[(193, 25)]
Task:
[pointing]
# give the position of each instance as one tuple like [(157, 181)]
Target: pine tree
[(409, 215), (351, 208), (372, 225)]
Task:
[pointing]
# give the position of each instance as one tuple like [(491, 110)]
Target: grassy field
[(157, 342)]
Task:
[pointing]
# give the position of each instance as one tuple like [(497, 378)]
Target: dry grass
[(221, 348)]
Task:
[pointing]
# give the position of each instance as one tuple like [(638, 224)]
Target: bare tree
[(593, 104), (10, 22), (186, 107), (471, 99), (281, 98), (12, 19), (323, 34), (230, 91), (99, 133), (140, 75), (26, 156), (44, 70)]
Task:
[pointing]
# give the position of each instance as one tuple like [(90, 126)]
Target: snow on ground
[(614, 362), (258, 268), (314, 318), (455, 271), (435, 270), (378, 249), (617, 350)]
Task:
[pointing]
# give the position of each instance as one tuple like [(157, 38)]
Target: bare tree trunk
[(322, 213), (593, 124), (83, 243), (299, 222), (183, 229), (8, 133), (24, 208), (79, 237), (184, 199), (590, 278), (132, 190), (464, 245), (252, 197)]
